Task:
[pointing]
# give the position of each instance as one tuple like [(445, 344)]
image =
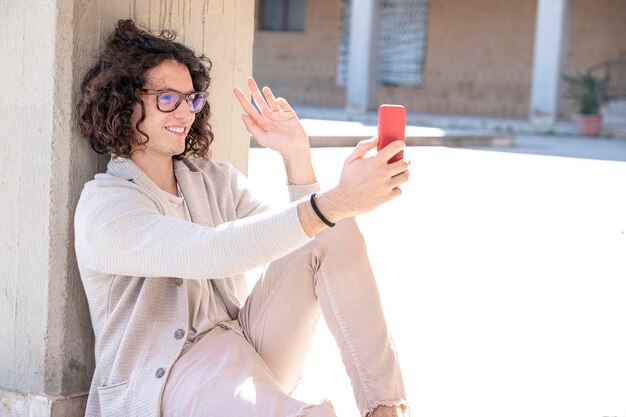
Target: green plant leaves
[(587, 90)]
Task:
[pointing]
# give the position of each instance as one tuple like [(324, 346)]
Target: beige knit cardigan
[(132, 253)]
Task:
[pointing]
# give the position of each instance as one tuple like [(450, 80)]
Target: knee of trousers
[(344, 237)]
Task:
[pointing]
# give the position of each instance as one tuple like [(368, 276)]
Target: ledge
[(17, 404)]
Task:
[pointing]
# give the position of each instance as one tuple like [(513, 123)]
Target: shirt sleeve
[(125, 234), (297, 192)]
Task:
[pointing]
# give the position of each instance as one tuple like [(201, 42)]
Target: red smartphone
[(391, 124)]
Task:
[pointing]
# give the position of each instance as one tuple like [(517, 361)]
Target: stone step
[(614, 113)]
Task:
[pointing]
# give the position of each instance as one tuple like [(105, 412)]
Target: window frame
[(284, 26)]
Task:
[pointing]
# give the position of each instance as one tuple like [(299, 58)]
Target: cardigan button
[(160, 372), (179, 334), (178, 282)]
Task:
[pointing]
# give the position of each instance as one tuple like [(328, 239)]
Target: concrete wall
[(24, 186), (478, 61), (46, 340)]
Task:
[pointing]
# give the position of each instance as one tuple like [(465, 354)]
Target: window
[(401, 42), (283, 15)]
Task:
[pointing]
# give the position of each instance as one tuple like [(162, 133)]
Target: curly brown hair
[(112, 86)]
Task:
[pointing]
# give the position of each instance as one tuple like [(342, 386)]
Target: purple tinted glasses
[(168, 101)]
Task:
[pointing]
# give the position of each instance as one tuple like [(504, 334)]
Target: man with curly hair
[(164, 237)]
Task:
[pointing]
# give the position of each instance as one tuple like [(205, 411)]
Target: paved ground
[(568, 146), (503, 277)]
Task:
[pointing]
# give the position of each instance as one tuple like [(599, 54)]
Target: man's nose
[(183, 109)]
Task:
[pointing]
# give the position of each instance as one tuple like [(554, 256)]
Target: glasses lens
[(167, 101), (196, 102)]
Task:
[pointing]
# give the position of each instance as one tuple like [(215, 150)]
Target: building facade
[(497, 58)]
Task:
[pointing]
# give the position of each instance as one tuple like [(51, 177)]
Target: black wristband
[(319, 214)]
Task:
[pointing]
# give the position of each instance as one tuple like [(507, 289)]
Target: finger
[(246, 105), (284, 106), (257, 96), (252, 127), (399, 179), (271, 100), (390, 150), (396, 192), (362, 148), (397, 167)]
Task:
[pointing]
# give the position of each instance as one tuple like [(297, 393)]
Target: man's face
[(164, 129)]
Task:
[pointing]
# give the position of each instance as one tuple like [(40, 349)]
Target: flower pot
[(589, 124)]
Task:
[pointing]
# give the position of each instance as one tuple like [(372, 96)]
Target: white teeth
[(176, 129)]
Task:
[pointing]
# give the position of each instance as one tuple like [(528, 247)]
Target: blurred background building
[(489, 58)]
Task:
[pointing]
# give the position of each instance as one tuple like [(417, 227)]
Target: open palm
[(275, 125)]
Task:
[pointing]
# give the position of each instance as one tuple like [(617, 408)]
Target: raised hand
[(275, 125), (365, 183)]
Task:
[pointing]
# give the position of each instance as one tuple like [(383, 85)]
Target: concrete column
[(362, 79), (549, 59), (46, 339)]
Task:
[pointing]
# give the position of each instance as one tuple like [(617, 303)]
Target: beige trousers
[(248, 366)]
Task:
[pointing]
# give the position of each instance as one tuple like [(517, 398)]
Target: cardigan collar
[(190, 180)]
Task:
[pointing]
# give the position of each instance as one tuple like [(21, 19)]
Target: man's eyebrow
[(175, 90)]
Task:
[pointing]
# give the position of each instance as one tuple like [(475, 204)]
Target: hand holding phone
[(391, 124), (359, 192)]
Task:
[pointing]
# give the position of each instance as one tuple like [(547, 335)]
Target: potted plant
[(587, 91)]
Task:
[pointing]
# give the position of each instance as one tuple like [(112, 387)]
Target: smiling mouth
[(176, 129)]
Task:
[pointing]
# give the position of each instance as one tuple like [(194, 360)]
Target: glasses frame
[(181, 97)]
